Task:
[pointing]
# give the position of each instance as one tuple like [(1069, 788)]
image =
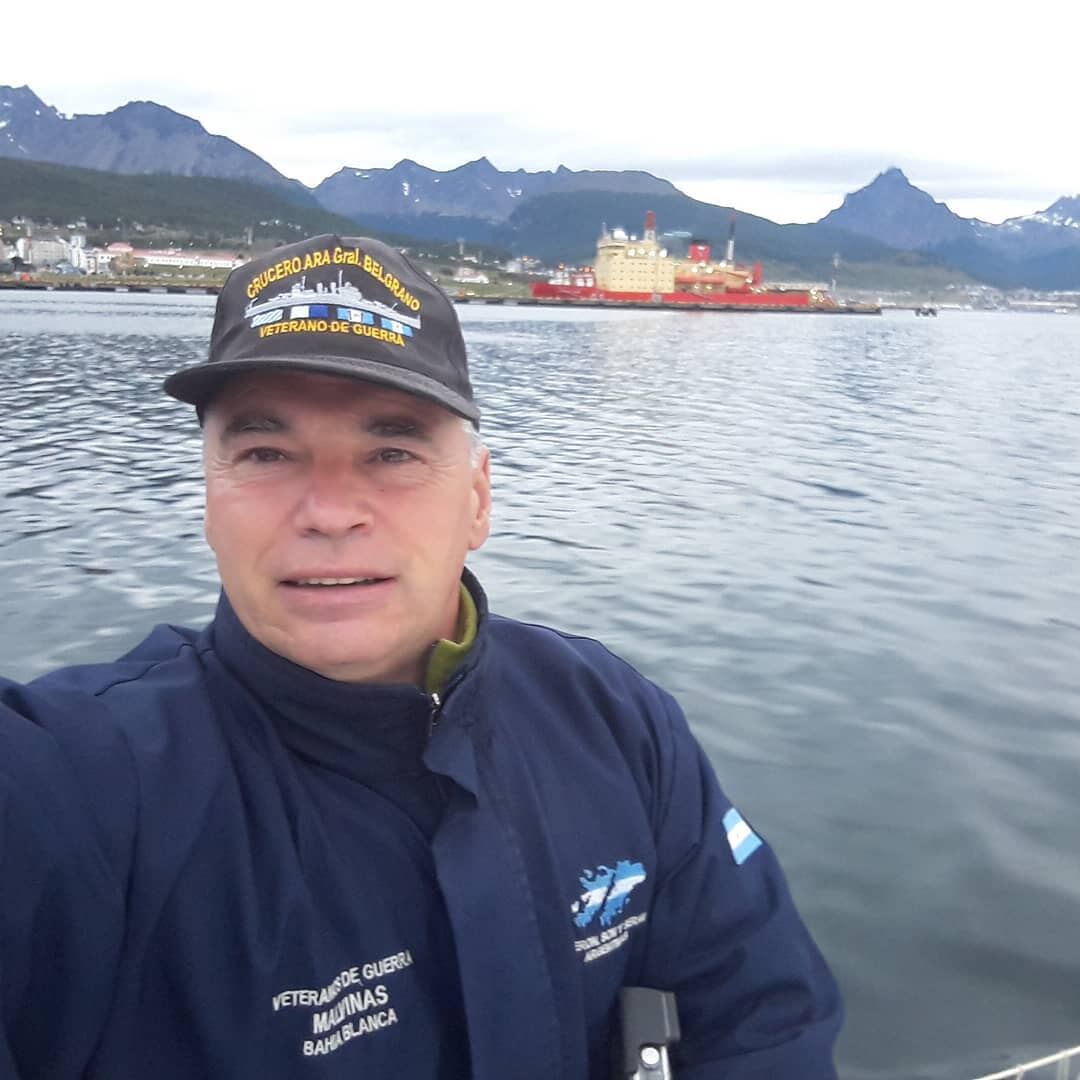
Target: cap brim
[(196, 385)]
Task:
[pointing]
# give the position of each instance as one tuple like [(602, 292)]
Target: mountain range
[(1039, 251), (556, 214), (139, 137)]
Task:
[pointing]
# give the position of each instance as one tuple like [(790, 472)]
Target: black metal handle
[(648, 1025)]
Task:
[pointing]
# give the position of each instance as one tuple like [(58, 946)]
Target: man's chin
[(354, 666)]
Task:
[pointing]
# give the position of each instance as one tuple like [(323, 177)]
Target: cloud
[(441, 140), (823, 169), (451, 124)]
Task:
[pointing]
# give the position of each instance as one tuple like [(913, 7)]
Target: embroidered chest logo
[(604, 899), (358, 1001)]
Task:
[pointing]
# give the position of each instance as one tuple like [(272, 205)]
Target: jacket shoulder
[(162, 645), (80, 739), (583, 663), (584, 698)]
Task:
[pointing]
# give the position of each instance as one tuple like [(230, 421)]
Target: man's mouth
[(332, 582)]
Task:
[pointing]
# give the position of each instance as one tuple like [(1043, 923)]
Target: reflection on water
[(847, 545)]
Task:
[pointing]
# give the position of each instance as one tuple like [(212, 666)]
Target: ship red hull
[(763, 298)]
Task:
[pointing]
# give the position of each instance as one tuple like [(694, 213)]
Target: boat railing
[(1064, 1065)]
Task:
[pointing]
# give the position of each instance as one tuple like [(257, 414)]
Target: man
[(359, 826)]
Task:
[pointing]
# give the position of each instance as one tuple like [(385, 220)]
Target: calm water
[(850, 546)]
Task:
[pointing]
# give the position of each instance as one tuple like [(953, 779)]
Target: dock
[(110, 287), (648, 305), (83, 286)]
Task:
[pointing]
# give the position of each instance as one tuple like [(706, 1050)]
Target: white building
[(47, 251), (182, 258), (466, 275)]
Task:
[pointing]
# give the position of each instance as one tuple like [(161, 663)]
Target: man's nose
[(335, 501)]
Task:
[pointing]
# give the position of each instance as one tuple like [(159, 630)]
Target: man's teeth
[(338, 581)]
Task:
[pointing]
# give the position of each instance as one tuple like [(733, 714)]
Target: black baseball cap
[(340, 305)]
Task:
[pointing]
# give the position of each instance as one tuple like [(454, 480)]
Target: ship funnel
[(729, 254), (650, 226)]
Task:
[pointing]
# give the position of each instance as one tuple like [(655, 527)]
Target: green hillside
[(197, 208), (157, 209)]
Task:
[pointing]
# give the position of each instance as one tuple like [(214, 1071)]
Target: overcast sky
[(778, 109)]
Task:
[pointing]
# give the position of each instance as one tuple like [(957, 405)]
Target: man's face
[(341, 513)]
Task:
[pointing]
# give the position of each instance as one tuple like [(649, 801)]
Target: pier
[(109, 287), (479, 301), (649, 305)]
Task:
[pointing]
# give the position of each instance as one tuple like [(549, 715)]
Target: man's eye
[(264, 455), (393, 455)]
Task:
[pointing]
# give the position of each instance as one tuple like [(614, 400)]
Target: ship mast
[(650, 226)]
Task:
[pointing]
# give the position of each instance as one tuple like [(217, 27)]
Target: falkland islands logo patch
[(606, 893)]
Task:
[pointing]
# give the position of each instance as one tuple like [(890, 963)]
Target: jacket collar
[(366, 731)]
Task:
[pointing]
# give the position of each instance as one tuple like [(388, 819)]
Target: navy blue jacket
[(214, 863)]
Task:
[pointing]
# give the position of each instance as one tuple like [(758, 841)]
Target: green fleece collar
[(446, 654)]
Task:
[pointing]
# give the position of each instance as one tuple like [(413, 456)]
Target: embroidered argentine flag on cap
[(742, 840)]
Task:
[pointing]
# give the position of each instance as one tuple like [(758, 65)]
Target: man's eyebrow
[(384, 426), (248, 422), (398, 427)]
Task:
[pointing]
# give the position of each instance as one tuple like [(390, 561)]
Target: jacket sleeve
[(756, 1000), (61, 905)]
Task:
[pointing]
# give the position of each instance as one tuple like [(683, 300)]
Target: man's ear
[(481, 501)]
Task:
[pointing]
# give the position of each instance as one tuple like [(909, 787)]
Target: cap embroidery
[(336, 307)]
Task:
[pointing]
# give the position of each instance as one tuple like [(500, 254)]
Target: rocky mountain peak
[(891, 209), (1065, 211), (892, 175), (148, 116), (890, 185), (480, 167), (24, 120), (406, 166), (22, 101)]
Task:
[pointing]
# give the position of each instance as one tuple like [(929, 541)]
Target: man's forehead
[(285, 393)]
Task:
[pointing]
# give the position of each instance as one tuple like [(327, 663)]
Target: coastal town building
[(466, 275), (44, 248), (182, 258), (53, 251)]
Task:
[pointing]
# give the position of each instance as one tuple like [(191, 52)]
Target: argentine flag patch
[(742, 840)]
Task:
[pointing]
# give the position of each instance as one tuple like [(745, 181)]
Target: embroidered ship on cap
[(336, 300)]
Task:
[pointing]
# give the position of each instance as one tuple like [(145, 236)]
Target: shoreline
[(212, 289)]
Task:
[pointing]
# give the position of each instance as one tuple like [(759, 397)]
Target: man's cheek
[(216, 524)]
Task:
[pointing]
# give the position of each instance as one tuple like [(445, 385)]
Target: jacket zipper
[(437, 702), (434, 716), (435, 713)]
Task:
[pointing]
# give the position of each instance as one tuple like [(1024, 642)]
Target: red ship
[(633, 271)]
